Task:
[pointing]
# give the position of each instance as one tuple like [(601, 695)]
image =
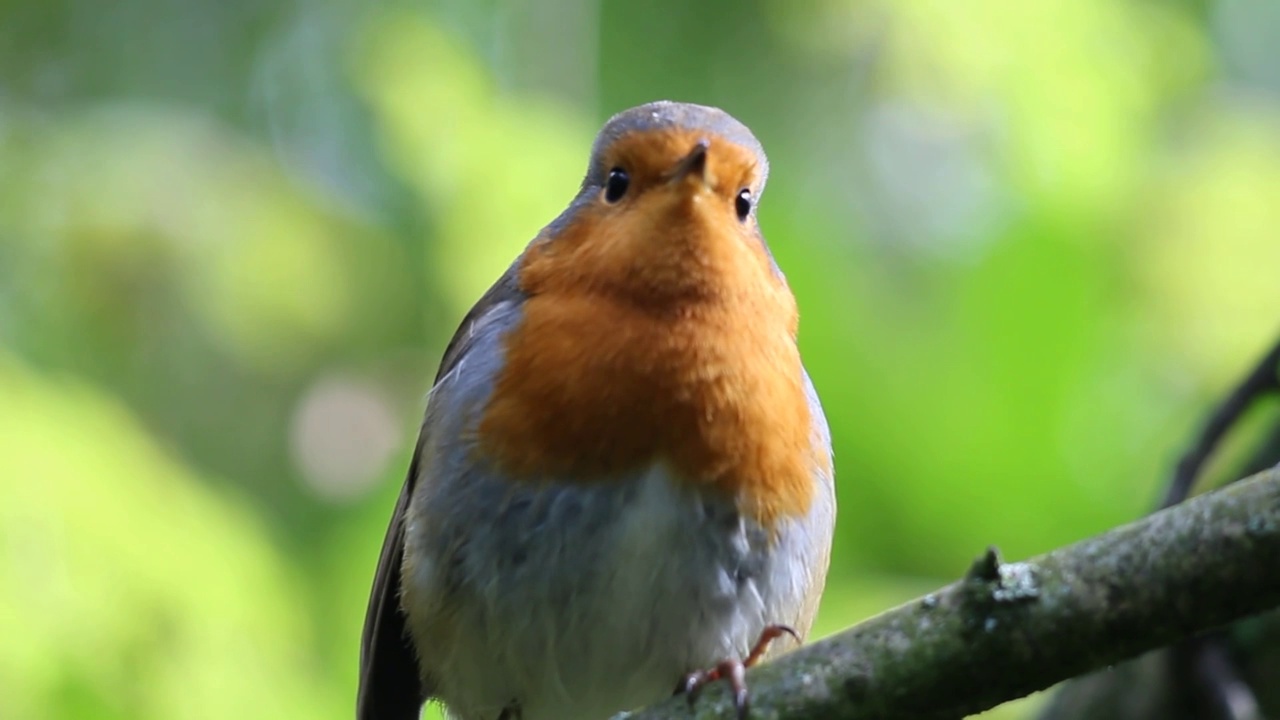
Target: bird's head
[(667, 209)]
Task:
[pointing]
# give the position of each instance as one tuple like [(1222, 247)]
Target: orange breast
[(600, 380)]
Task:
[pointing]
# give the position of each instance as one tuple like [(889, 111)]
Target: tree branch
[(1216, 675), (1006, 630)]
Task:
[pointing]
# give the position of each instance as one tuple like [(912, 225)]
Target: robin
[(623, 482)]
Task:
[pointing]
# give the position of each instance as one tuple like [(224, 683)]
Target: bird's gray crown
[(667, 115)]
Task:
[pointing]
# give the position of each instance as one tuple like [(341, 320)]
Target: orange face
[(681, 177), (657, 330), (675, 228)]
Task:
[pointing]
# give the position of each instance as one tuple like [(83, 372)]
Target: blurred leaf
[(491, 169), (1208, 245), (127, 579), (191, 205)]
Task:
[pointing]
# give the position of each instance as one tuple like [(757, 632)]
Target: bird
[(623, 485)]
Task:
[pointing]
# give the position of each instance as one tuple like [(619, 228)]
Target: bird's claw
[(735, 671)]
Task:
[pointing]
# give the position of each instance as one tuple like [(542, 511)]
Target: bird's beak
[(693, 164)]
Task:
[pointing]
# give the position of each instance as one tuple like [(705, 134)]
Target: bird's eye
[(616, 186), (743, 204)]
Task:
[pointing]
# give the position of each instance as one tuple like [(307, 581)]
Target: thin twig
[(1264, 379)]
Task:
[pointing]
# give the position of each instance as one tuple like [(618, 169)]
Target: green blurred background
[(1031, 242)]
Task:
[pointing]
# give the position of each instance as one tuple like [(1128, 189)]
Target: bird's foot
[(735, 671)]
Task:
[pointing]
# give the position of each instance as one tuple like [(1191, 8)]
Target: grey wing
[(391, 687)]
